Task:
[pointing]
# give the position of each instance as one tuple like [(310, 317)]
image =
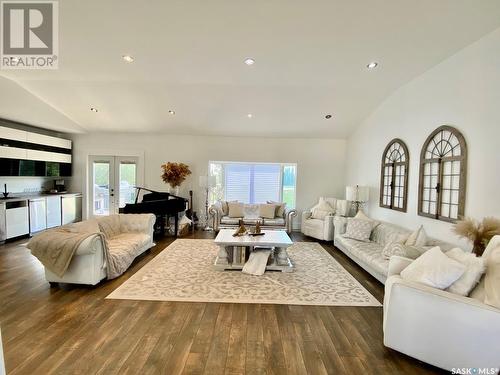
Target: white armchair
[(435, 326), (321, 229)]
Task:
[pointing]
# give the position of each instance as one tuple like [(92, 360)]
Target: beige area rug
[(183, 272)]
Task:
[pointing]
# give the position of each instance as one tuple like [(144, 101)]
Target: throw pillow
[(474, 270), (321, 210), (434, 268), (280, 208), (400, 249), (417, 237), (267, 211), (358, 229), (362, 216), (492, 278), (236, 209)]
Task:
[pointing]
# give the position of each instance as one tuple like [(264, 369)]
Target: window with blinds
[(254, 182)]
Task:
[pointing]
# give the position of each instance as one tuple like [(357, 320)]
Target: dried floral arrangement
[(174, 174), (479, 233)]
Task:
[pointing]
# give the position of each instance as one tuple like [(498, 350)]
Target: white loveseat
[(435, 326), (134, 235), (369, 254), (220, 219)]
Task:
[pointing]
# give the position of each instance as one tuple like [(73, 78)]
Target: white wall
[(462, 91), (320, 162)]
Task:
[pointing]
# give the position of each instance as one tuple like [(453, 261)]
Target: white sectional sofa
[(369, 254)]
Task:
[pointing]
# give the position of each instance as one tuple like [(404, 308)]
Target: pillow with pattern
[(358, 229), (400, 249)]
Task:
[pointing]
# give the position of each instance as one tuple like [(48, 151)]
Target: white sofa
[(88, 265), (369, 254), (444, 329), (251, 215), (323, 229)]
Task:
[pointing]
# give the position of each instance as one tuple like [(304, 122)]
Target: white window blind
[(253, 182), (237, 182)]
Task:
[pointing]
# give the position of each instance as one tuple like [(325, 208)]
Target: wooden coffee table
[(276, 240)]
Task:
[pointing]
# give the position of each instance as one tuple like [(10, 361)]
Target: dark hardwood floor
[(74, 330)]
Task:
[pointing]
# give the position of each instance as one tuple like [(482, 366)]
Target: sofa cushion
[(129, 242), (400, 249), (475, 269), (236, 209), (276, 221), (229, 220), (109, 225), (267, 211), (417, 237), (368, 252), (321, 210), (358, 229), (280, 208), (435, 269), (385, 233)]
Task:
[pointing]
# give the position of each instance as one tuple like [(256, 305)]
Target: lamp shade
[(357, 193)]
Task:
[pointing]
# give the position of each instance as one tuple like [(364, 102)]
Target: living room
[(319, 187)]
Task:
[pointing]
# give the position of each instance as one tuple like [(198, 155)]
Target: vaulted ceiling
[(310, 61)]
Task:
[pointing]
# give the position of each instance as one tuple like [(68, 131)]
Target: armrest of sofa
[(438, 327), (426, 294), (289, 214), (215, 214), (91, 245), (397, 264), (340, 224), (304, 216)]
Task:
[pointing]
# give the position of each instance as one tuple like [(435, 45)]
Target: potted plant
[(174, 174), (479, 233)]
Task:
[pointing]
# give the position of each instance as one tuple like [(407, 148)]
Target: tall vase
[(176, 190)]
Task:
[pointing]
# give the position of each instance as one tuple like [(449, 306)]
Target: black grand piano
[(163, 205)]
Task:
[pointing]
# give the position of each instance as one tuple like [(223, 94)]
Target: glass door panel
[(127, 177), (102, 186)]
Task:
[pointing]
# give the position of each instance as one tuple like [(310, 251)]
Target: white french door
[(111, 183)]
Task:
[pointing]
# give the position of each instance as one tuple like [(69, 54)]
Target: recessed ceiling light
[(328, 117), (128, 58), (171, 112), (372, 65), (249, 115), (249, 61), (94, 109)]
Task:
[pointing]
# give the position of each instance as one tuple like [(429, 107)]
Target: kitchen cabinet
[(16, 218), (38, 214), (54, 214)]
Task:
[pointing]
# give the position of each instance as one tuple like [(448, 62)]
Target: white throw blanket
[(257, 262)]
